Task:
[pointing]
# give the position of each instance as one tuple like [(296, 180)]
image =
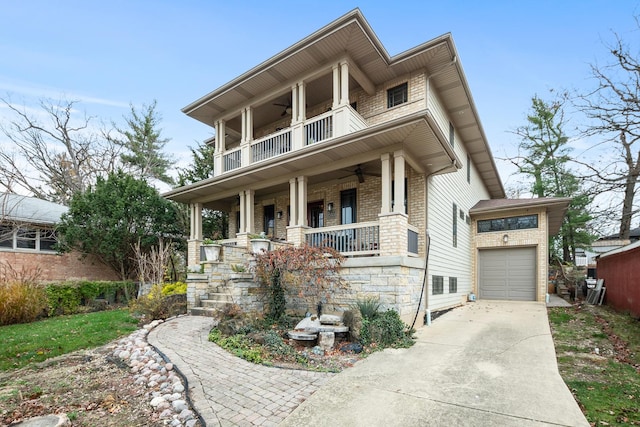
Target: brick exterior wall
[(536, 237), (57, 267)]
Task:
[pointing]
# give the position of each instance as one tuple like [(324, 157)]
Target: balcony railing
[(232, 160), (319, 129), (334, 123), (350, 239), (271, 146)]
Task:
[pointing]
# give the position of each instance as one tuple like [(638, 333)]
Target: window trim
[(402, 91)]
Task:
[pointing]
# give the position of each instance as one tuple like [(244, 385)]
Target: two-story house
[(333, 141)]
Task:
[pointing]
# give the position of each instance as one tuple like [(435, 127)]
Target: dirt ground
[(89, 386)]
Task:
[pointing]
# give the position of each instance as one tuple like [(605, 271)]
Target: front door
[(315, 214), (269, 220)]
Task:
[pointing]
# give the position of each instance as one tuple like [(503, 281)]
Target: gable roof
[(352, 35), (19, 208), (556, 208)]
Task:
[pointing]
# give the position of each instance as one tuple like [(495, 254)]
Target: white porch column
[(398, 184), (294, 104), (293, 202), (385, 159), (344, 83), (336, 86), (249, 210), (196, 221), (302, 110), (243, 213), (302, 200)]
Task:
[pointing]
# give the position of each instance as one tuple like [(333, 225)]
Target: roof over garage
[(556, 207)]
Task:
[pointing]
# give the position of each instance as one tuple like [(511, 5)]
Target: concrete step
[(202, 311), (215, 300)]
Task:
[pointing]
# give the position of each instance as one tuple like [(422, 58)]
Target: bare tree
[(56, 156), (613, 110)]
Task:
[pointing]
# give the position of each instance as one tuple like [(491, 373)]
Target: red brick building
[(27, 240)]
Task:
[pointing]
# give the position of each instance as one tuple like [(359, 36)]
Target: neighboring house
[(588, 257), (332, 141), (620, 269), (28, 238)]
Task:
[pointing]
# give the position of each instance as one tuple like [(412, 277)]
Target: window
[(461, 214), (510, 223), (348, 206), (453, 285), (397, 95), (315, 214), (6, 237), (452, 134), (468, 169), (29, 238), (455, 225), (437, 285)]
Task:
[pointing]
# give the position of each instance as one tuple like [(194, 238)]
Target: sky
[(112, 54)]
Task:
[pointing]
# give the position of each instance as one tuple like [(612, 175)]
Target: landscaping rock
[(354, 347)]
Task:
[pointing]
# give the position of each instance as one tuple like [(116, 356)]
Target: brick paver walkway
[(226, 390)]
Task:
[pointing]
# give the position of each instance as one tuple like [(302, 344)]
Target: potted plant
[(259, 243), (211, 249)]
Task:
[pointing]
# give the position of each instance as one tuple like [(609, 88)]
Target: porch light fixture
[(505, 239), (330, 207), (279, 214)]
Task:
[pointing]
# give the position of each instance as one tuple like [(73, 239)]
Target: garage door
[(507, 274)]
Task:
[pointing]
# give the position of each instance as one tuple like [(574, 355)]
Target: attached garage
[(511, 246), (507, 274)]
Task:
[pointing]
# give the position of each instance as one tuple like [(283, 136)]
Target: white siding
[(444, 259), (435, 106)]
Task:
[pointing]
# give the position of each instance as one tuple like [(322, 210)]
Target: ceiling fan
[(287, 108), (360, 173)]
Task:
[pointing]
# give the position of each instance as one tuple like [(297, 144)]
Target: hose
[(424, 279)]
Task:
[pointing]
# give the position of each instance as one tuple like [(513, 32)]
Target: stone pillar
[(393, 234)]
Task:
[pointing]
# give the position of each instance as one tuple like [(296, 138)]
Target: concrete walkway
[(226, 390), (488, 363)]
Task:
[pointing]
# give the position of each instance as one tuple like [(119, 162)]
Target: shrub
[(155, 305), (175, 288), (21, 302), (368, 307), (70, 297), (386, 330)]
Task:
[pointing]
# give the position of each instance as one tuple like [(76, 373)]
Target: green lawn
[(597, 349), (27, 343)]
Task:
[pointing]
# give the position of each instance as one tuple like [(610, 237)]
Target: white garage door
[(507, 274)]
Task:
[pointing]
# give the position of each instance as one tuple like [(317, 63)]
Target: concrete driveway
[(488, 363)]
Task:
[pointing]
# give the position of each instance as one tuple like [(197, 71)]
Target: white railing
[(271, 146), (232, 160), (350, 239), (319, 129)]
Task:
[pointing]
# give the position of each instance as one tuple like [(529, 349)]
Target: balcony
[(350, 239), (323, 127)]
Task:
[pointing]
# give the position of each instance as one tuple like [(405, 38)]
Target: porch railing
[(271, 146), (350, 239), (232, 160), (319, 129)]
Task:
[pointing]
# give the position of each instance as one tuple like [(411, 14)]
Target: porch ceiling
[(333, 159)]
